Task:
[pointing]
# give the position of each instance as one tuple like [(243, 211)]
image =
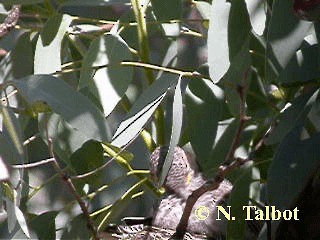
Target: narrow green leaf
[(14, 133), (177, 117), (12, 220), (107, 84), (142, 110), (47, 57), (22, 221), (218, 47)]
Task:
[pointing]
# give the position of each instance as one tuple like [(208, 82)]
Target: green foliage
[(82, 80)]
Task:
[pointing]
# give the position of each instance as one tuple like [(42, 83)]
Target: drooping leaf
[(228, 33), (285, 35), (218, 47), (13, 132), (47, 58), (77, 110), (204, 102), (257, 14), (142, 110), (22, 221), (176, 129), (108, 84)]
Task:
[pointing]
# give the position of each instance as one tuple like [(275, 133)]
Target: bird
[(183, 178)]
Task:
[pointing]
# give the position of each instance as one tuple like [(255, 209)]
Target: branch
[(32, 165)]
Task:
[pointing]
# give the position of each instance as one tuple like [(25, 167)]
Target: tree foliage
[(80, 81)]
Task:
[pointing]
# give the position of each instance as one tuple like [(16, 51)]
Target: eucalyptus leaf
[(12, 130), (285, 35), (44, 225), (292, 116), (142, 110), (218, 47), (177, 117), (49, 45), (4, 171), (110, 82), (74, 108), (291, 169), (257, 14), (204, 102)]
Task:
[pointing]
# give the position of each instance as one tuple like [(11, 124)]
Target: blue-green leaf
[(285, 35), (204, 102), (47, 57), (108, 84), (177, 117), (142, 110), (75, 109)]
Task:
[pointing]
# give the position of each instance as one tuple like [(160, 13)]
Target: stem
[(142, 36), (32, 165), (139, 12)]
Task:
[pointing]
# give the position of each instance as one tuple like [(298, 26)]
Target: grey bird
[(182, 179)]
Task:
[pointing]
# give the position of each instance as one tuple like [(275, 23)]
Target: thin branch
[(71, 188), (97, 169), (33, 165), (223, 170)]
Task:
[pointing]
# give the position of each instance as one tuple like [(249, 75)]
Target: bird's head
[(181, 171)]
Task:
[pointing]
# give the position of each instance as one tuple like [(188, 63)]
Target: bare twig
[(32, 165), (11, 20), (228, 166)]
